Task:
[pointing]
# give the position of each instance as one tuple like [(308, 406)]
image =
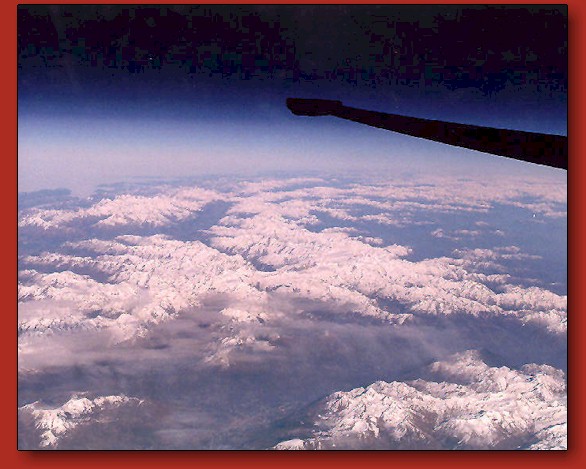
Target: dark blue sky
[(113, 91)]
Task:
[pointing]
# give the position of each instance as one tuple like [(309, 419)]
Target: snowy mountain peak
[(496, 408), (55, 422)]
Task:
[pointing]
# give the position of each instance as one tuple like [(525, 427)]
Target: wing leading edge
[(544, 149)]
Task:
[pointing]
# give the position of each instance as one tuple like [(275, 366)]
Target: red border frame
[(574, 457)]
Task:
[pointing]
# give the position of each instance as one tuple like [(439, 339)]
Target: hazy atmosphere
[(201, 269), (111, 92)]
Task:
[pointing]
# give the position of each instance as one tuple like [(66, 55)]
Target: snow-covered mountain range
[(248, 262), (469, 405), (55, 422)]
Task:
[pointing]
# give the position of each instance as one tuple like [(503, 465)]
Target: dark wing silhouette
[(545, 149)]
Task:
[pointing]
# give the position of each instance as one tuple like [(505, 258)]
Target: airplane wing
[(544, 149)]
